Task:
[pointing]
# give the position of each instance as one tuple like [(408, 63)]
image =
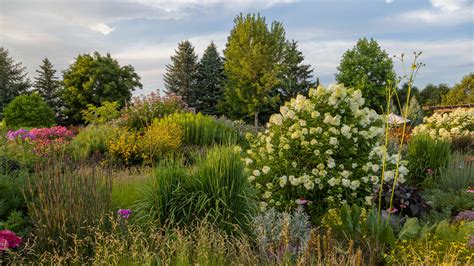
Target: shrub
[(324, 149), (28, 111), (203, 130), (63, 201), (458, 123), (125, 147), (101, 115), (216, 190), (11, 193), (406, 200), (144, 110), (427, 156), (161, 139), (92, 141), (458, 175), (449, 202)]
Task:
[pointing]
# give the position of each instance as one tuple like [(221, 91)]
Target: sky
[(145, 33)]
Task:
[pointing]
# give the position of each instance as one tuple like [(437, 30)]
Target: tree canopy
[(433, 94), (462, 92), (95, 79), (13, 79), (367, 67), (48, 85), (253, 61), (28, 110)]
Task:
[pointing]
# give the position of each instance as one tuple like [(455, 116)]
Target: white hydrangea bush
[(321, 151), (459, 123)]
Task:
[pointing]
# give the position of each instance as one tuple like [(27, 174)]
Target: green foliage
[(432, 95), (63, 201), (462, 92), (216, 190), (400, 98), (458, 175), (13, 79), (92, 141), (369, 68), (127, 186), (180, 76), (28, 111), (203, 130), (48, 86), (252, 64), (94, 79), (210, 82), (295, 76), (415, 113), (144, 110), (101, 115), (427, 157), (11, 193), (448, 202)]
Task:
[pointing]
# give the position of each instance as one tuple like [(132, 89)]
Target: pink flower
[(429, 171), (392, 210), (470, 190), (301, 201), (8, 239)]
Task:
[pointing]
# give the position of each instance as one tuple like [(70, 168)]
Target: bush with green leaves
[(28, 111), (427, 156), (107, 112), (459, 174), (92, 141), (324, 149), (11, 193), (447, 202), (215, 189), (203, 130)]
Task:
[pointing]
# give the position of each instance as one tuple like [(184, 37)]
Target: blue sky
[(144, 33)]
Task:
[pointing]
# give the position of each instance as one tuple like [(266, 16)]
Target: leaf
[(410, 229)]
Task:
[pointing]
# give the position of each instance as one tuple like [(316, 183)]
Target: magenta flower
[(124, 213), (429, 171), (8, 240), (470, 190), (392, 210), (301, 201)]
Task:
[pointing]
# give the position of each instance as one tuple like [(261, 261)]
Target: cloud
[(102, 28), (388, 1), (442, 12)]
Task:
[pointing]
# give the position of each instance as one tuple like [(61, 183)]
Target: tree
[(367, 67), (28, 111), (95, 79), (462, 92), (295, 76), (13, 80), (253, 61), (402, 94), (432, 95), (180, 76), (415, 113), (210, 81), (48, 86)]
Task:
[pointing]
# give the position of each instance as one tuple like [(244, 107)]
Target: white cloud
[(388, 1), (102, 28), (442, 12)]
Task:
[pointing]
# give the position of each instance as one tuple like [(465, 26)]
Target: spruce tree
[(210, 81), (48, 85), (295, 76), (180, 76), (13, 79)]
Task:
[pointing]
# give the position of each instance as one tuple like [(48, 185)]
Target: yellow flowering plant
[(322, 151), (125, 148), (161, 139)]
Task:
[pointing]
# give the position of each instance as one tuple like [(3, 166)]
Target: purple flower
[(301, 201), (124, 213), (20, 133), (392, 210)]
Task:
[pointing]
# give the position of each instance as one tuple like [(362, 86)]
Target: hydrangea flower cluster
[(324, 149), (9, 240), (459, 123)]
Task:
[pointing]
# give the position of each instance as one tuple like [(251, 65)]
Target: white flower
[(375, 167), (345, 173), (315, 114), (368, 200), (269, 185), (329, 152), (263, 206), (266, 169), (267, 194), (276, 119), (293, 181), (346, 182), (256, 172), (332, 182), (283, 181), (354, 165), (355, 184), (314, 142), (251, 178), (389, 175), (333, 141), (248, 161), (331, 163), (309, 185), (302, 123), (294, 164), (315, 171), (316, 152)]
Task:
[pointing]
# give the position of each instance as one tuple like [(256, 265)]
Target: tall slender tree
[(210, 81), (253, 61), (13, 79), (181, 73), (48, 85), (295, 77)]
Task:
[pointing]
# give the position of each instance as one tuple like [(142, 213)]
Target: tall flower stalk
[(409, 76)]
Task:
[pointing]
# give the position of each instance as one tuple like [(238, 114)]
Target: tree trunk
[(256, 120)]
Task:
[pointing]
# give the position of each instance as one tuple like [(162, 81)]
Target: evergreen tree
[(13, 79), (210, 81), (367, 67), (180, 76), (295, 77), (253, 61), (48, 86)]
